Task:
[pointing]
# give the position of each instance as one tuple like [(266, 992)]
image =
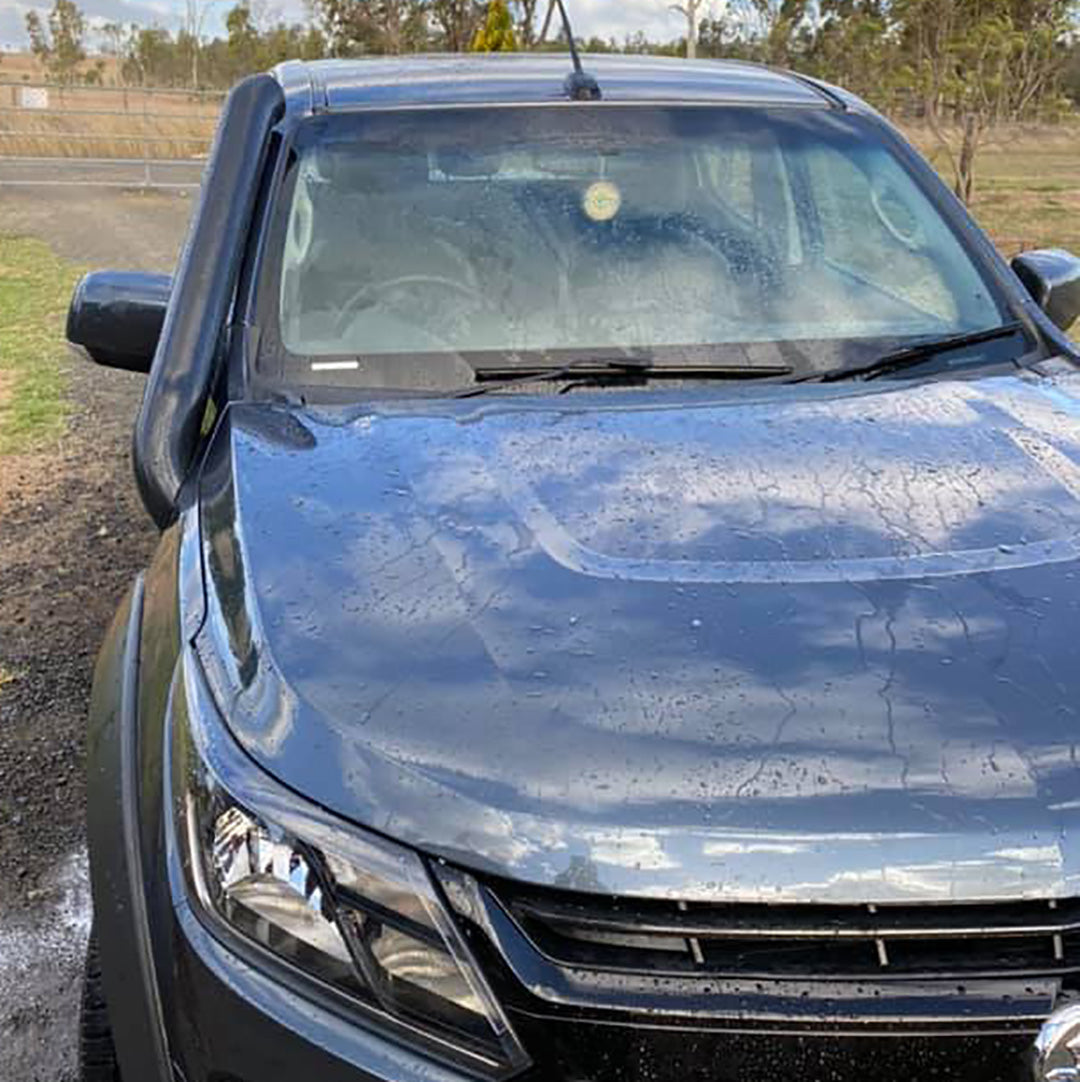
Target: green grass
[(35, 287)]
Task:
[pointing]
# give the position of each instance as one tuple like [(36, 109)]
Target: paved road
[(72, 534), (41, 173)]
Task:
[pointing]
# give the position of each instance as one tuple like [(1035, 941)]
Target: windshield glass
[(412, 247)]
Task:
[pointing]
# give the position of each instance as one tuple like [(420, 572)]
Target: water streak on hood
[(806, 644)]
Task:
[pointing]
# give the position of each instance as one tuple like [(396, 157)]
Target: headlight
[(352, 915)]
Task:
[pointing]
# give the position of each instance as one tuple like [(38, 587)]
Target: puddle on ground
[(42, 949)]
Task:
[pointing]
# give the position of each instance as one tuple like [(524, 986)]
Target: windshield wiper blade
[(910, 356), (630, 368)]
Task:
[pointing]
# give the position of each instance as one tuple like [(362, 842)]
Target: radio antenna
[(579, 84)]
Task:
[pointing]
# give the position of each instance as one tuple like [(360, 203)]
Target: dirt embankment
[(72, 535)]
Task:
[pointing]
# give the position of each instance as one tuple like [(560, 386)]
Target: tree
[(547, 22), (977, 64), (195, 15), (526, 23), (250, 49), (58, 44), (356, 27), (457, 21), (496, 33), (114, 37), (1071, 73), (151, 58), (777, 25), (717, 37), (244, 41), (854, 46), (283, 42), (690, 10)]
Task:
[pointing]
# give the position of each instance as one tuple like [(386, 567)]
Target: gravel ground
[(72, 535)]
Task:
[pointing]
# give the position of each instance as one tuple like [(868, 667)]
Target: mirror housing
[(1052, 277), (116, 317)]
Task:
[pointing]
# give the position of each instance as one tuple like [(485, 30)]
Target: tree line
[(964, 68)]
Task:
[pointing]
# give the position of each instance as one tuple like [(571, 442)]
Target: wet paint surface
[(804, 645), (389, 81)]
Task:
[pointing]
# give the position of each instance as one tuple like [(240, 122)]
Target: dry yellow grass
[(101, 122), (1027, 192), (24, 66), (133, 135)]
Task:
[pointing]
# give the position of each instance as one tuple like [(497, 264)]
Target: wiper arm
[(910, 356), (629, 367)]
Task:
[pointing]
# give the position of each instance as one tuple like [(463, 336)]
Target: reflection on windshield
[(552, 231)]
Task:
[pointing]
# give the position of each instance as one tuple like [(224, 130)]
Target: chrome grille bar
[(790, 941), (855, 927)]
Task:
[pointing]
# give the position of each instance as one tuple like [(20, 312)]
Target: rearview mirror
[(116, 317), (1052, 277)]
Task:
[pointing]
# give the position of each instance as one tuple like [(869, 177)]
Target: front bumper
[(228, 1020)]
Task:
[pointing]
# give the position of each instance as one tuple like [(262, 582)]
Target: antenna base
[(581, 86)]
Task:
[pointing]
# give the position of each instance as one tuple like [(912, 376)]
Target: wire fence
[(146, 137)]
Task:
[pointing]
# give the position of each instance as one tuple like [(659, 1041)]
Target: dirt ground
[(72, 535)]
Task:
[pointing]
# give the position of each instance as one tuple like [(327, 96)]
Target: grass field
[(35, 287), (1027, 186), (73, 134), (111, 123), (101, 122)]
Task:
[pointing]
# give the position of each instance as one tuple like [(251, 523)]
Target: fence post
[(146, 143)]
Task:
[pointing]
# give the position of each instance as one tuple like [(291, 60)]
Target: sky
[(605, 18)]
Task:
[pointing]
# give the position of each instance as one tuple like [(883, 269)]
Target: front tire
[(97, 1053)]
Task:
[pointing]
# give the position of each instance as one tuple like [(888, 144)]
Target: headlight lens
[(267, 888), (337, 906)]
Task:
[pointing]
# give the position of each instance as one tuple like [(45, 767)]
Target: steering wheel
[(376, 289), (912, 237), (745, 255)]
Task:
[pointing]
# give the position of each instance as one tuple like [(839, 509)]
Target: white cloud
[(13, 26), (618, 18), (145, 12)]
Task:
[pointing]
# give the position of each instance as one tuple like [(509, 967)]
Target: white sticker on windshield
[(602, 201), (334, 366)]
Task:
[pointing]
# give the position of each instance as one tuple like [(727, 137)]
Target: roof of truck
[(537, 78)]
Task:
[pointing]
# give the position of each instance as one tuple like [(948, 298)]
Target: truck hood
[(778, 644)]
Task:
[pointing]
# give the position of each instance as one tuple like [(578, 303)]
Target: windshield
[(412, 248)]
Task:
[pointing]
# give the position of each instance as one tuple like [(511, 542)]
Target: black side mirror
[(1052, 277), (116, 317)]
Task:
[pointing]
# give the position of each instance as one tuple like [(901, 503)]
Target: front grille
[(832, 942)]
